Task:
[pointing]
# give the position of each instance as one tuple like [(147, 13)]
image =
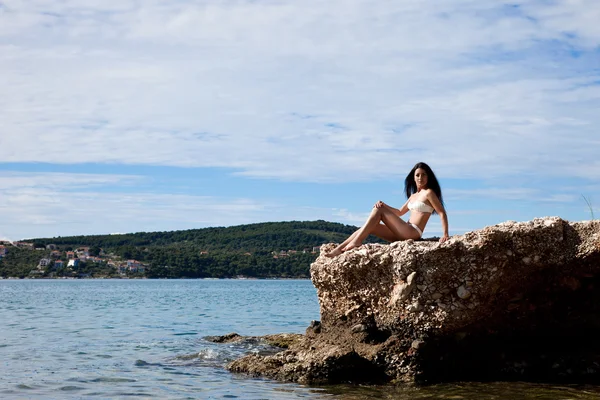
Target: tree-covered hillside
[(273, 249), (254, 237)]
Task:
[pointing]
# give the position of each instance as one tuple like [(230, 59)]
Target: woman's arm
[(439, 208)]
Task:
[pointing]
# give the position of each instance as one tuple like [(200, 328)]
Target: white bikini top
[(419, 206)]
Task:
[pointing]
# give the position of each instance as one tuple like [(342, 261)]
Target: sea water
[(107, 339)]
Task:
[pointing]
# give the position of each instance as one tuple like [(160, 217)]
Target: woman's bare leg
[(361, 234), (369, 225), (398, 229), (392, 229), (381, 231)]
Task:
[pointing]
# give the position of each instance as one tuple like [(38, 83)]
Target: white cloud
[(351, 217), (35, 205), (59, 204), (310, 91), (64, 181)]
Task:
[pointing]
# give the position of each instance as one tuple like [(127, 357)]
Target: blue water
[(117, 338), (145, 339)]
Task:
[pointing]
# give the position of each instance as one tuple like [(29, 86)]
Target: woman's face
[(421, 177)]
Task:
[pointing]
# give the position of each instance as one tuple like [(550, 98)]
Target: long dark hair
[(410, 186)]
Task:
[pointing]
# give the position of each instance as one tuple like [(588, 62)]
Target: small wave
[(112, 380), (208, 354), (204, 354), (185, 333), (134, 394), (70, 388)]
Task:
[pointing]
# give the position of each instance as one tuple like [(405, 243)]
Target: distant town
[(73, 259)]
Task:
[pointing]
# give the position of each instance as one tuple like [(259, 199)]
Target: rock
[(571, 282), (314, 327), (359, 328), (228, 338), (414, 307), (282, 340), (403, 290), (375, 327), (463, 292)]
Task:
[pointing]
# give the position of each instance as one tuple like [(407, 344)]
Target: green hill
[(272, 249)]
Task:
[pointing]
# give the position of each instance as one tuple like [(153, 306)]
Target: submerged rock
[(281, 340), (510, 301), (227, 338)]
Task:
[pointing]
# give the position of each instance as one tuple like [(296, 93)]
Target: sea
[(124, 339)]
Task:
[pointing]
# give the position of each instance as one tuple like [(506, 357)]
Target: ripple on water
[(70, 388), (204, 354), (106, 379), (134, 394)]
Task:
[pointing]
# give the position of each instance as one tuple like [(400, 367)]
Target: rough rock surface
[(510, 301), (281, 340)]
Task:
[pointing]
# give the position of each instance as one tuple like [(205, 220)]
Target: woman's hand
[(444, 238), (379, 204)]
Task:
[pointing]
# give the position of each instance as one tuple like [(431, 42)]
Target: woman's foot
[(335, 252), (351, 245)]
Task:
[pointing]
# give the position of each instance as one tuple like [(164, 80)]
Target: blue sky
[(127, 116)]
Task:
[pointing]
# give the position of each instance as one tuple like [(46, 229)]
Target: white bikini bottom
[(417, 229)]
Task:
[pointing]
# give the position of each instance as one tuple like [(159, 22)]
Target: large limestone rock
[(511, 301)]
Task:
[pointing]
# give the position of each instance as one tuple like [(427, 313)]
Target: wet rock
[(227, 338), (282, 340)]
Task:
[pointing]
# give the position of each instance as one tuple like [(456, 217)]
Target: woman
[(424, 198)]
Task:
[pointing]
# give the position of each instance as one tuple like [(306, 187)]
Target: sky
[(126, 116)]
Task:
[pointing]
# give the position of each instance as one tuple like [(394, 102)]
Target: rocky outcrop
[(510, 301)]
